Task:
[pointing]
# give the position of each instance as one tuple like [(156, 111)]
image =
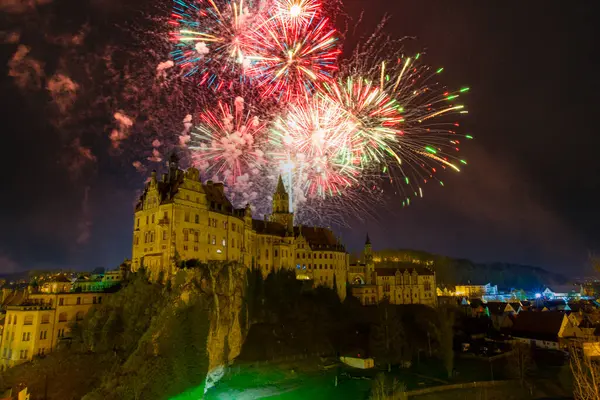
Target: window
[(15, 320), (9, 319), (185, 247), (28, 320), (23, 354), (62, 317), (26, 336), (233, 242), (185, 235), (164, 235), (152, 218), (196, 219), (233, 226), (79, 316), (320, 255), (196, 237), (186, 216), (147, 219), (94, 300), (61, 333), (137, 223), (100, 300), (275, 252), (267, 254), (214, 239), (78, 300), (41, 351), (208, 238), (223, 242)]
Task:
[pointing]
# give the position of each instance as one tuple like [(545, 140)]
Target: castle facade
[(179, 218)]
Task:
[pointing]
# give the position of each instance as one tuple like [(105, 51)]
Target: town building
[(40, 322), (396, 282), (179, 218), (476, 291)]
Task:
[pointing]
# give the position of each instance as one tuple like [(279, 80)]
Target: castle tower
[(281, 206), (369, 264)]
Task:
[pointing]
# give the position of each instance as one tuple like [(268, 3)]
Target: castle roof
[(389, 268), (318, 238), (268, 228)]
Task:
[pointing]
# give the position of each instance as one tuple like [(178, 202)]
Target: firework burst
[(287, 63), (310, 142), (211, 39), (227, 144), (402, 117)]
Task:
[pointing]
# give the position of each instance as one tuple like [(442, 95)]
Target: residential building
[(396, 282), (547, 330), (37, 325), (179, 218)]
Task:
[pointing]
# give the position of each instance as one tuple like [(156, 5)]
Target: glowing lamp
[(538, 295)]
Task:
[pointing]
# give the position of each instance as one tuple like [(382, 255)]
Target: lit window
[(185, 235), (196, 237), (196, 219), (186, 216)]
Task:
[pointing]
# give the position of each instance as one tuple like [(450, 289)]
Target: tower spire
[(280, 186), (368, 239)]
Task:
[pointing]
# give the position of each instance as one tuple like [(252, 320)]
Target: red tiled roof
[(538, 325)]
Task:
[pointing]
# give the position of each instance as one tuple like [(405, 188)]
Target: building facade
[(396, 282), (39, 323), (179, 218)]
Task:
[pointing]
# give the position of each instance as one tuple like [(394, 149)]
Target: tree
[(586, 376), (519, 362), (387, 339), (445, 337)]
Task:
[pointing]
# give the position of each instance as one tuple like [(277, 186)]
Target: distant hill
[(453, 271)]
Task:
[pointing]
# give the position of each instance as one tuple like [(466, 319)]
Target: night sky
[(529, 194)]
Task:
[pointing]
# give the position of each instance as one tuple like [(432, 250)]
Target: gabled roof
[(538, 325)]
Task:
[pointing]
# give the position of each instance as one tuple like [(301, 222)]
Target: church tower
[(369, 264), (281, 207)]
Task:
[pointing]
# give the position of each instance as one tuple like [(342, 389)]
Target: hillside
[(453, 271)]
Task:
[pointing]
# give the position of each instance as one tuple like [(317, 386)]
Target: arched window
[(79, 316)]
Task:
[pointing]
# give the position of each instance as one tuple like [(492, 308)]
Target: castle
[(179, 218), (397, 282)]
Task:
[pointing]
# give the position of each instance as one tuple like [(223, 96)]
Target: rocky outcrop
[(223, 285)]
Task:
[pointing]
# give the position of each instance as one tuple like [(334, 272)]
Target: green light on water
[(431, 150)]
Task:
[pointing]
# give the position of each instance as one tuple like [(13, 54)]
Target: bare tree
[(586, 376), (520, 363), (383, 390)]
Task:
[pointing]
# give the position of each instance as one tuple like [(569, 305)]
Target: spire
[(368, 240), (280, 187)]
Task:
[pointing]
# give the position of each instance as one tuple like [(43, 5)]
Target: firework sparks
[(287, 63), (297, 14)]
